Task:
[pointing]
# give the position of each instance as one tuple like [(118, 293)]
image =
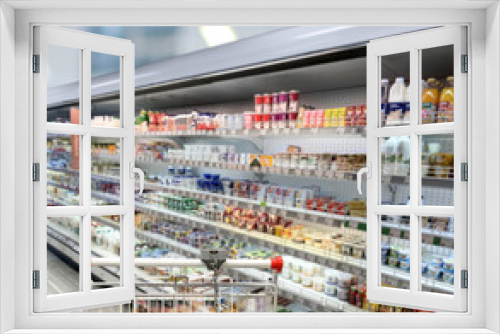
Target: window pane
[(105, 113), (63, 83), (437, 170), (105, 171), (395, 170), (63, 170), (395, 89), (63, 255), (106, 241), (437, 254), (395, 250), (437, 85)]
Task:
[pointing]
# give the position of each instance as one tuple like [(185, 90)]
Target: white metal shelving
[(328, 258)]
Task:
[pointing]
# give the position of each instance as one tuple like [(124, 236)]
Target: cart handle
[(275, 263)]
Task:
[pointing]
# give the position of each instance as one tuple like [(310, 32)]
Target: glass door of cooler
[(416, 145), (65, 199)]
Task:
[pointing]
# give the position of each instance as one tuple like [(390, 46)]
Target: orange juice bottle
[(430, 99), (446, 102)]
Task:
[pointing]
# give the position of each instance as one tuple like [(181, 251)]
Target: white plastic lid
[(400, 79), (385, 80)]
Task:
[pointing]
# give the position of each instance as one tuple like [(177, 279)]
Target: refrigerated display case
[(263, 160)]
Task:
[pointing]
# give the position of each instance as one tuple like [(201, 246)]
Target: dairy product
[(396, 103), (406, 109), (384, 99)]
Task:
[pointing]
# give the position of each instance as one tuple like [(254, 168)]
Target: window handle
[(365, 170), (134, 170)]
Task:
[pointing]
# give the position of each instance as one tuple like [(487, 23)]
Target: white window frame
[(85, 43), (475, 320), (412, 44)]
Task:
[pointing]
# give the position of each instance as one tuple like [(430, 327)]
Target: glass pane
[(395, 170), (106, 240), (105, 171), (105, 113), (63, 83), (437, 85), (437, 170), (437, 254), (395, 89), (63, 169), (395, 250), (63, 255)]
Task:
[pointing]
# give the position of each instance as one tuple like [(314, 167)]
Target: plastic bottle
[(396, 99), (384, 88), (446, 102), (430, 98), (406, 115)]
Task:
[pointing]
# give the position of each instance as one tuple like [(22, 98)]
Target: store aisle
[(61, 277)]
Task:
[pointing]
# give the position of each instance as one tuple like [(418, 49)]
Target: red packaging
[(310, 203), (259, 103), (321, 204), (350, 116), (268, 103), (361, 115)]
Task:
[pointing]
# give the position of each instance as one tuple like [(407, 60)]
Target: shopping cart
[(217, 291)]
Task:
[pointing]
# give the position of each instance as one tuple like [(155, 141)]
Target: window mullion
[(414, 169), (86, 166)]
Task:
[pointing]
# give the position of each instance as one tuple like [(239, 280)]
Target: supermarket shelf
[(328, 258), (316, 300), (98, 251), (294, 172), (426, 181), (357, 132), (296, 213)]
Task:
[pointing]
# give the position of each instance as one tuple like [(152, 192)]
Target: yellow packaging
[(328, 118), (270, 161), (335, 117), (341, 116)]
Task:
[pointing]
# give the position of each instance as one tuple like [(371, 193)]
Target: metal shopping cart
[(228, 285)]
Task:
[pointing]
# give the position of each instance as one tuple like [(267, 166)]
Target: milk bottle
[(406, 110), (384, 89), (396, 102)]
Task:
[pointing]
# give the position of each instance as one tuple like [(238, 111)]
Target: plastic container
[(283, 101), (344, 280), (343, 293), (307, 281), (296, 277), (267, 103), (266, 121), (319, 284), (292, 119), (308, 269), (282, 120), (331, 276), (276, 103), (248, 120), (320, 118), (259, 103), (396, 103), (293, 98), (257, 121), (330, 289), (446, 102), (275, 121)]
